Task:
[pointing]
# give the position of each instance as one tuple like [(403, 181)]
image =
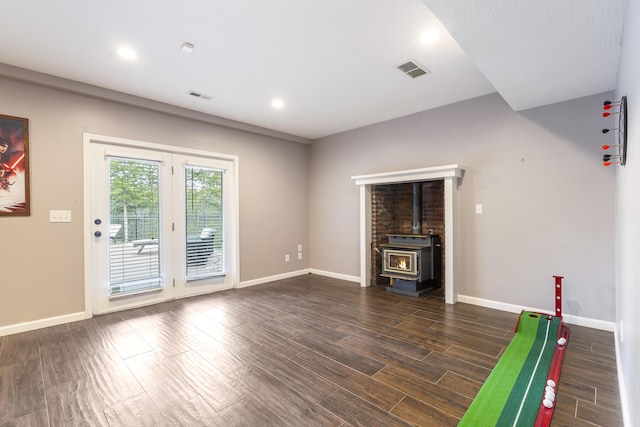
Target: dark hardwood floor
[(305, 351)]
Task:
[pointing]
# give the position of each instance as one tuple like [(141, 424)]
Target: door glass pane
[(203, 191), (134, 224)]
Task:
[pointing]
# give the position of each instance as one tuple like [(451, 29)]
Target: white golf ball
[(550, 396), (547, 403), (551, 383), (562, 341), (548, 389)]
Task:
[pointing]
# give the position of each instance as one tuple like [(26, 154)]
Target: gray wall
[(548, 202), (628, 220), (41, 269)]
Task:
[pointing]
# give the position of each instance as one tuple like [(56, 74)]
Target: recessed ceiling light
[(126, 53), (187, 47), (429, 37), (277, 103)]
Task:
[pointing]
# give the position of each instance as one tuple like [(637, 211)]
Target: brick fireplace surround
[(391, 207)]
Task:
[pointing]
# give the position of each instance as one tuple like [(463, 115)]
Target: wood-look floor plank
[(274, 342), (126, 340), (141, 411), (359, 412), (291, 326), (419, 414), (446, 336), (18, 348), (75, 404), (111, 378), (446, 400), (249, 412), (218, 349), (359, 384), (384, 355), (34, 419), (562, 419), (460, 384), (577, 390), (89, 338), (598, 415), (346, 356), (137, 410), (312, 385), (61, 363), (441, 319), (21, 388), (470, 370), (292, 407), (416, 350), (472, 357), (194, 412), (428, 340), (217, 389), (161, 383)]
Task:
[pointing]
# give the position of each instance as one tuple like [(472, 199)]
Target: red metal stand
[(558, 295)]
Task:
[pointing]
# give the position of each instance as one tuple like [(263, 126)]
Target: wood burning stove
[(412, 262)]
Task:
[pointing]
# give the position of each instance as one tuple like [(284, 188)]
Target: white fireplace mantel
[(450, 174)]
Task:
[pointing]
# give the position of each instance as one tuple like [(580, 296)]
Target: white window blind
[(134, 210), (204, 222)]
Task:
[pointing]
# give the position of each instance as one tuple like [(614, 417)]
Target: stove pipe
[(416, 208)]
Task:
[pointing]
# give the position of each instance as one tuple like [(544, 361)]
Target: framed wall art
[(14, 166)]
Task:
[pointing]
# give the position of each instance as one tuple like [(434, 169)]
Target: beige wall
[(42, 265), (548, 201)]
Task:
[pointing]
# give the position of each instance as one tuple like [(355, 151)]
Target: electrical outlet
[(299, 247), (478, 209), (287, 258), (59, 216), (299, 255)]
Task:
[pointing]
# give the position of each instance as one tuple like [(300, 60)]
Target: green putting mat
[(512, 394)]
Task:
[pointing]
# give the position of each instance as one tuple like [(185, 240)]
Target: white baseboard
[(568, 318), (42, 323), (268, 279), (335, 275), (624, 403)]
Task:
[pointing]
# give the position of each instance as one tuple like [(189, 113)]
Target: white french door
[(162, 225)]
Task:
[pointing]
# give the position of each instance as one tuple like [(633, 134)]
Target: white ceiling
[(332, 62)]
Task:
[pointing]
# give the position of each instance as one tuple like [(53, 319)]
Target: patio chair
[(115, 231), (200, 248)]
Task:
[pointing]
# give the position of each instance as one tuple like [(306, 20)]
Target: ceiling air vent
[(198, 95), (412, 69)]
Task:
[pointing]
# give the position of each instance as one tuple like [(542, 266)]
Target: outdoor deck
[(129, 262)]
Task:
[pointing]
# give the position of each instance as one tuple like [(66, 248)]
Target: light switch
[(59, 216), (478, 208)]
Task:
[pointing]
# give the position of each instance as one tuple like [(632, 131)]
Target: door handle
[(98, 233)]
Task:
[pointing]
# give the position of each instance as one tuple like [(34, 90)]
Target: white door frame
[(88, 226)]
